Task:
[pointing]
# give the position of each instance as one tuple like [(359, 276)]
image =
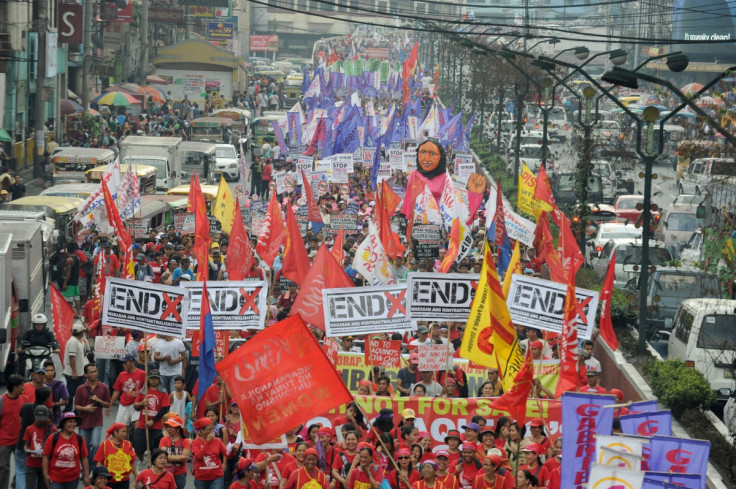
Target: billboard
[(259, 42), (707, 28)]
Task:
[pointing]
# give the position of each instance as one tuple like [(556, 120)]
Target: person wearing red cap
[(407, 474), (619, 411), (157, 477), (537, 347), (425, 441), (449, 388), (469, 466), (489, 478), (453, 441), (265, 463), (308, 476), (536, 426), (244, 475), (533, 453), (178, 447), (444, 476), (365, 388), (208, 452), (116, 453), (502, 468)]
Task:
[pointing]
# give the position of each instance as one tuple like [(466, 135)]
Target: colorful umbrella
[(116, 99), (157, 80), (154, 94), (133, 88), (708, 102), (691, 88), (159, 90), (67, 107)]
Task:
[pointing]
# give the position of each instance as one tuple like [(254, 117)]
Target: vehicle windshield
[(556, 114), (621, 235), (224, 152), (567, 184), (683, 222), (608, 125), (603, 170), (685, 285), (628, 203), (723, 167), (158, 163), (718, 331), (531, 152), (631, 255)]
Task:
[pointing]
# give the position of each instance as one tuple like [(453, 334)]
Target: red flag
[(312, 208), (201, 228), (543, 191), (416, 188), (453, 248), (295, 262), (337, 248), (514, 400), (386, 203), (63, 317), (124, 240), (546, 251), (325, 273), (569, 343), (272, 232), (319, 135), (239, 254), (606, 327), (572, 258), (285, 353)]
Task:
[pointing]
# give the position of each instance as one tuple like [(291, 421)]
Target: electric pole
[(39, 106), (87, 54), (144, 42)]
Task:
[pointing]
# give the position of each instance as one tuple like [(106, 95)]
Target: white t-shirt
[(77, 349), (176, 349)]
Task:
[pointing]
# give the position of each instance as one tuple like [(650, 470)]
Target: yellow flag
[(224, 209), (527, 185), (514, 267), (490, 339)]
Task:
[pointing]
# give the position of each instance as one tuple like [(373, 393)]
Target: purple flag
[(655, 484), (279, 137), (586, 417), (295, 129), (679, 455), (643, 407), (686, 480), (647, 424)]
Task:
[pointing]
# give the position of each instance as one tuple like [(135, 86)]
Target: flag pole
[(145, 399), (378, 437)]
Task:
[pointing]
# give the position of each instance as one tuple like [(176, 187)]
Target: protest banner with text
[(365, 310), (383, 353), (109, 347), (234, 305), (434, 357), (440, 296)]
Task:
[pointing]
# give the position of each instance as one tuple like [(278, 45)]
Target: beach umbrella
[(691, 88), (116, 99), (67, 107), (154, 94)]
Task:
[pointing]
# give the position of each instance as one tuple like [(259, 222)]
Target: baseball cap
[(591, 371), (534, 448), (442, 453), (141, 256), (38, 369), (128, 358), (469, 445), (408, 414), (472, 426), (414, 358), (422, 329), (100, 470), (537, 422), (537, 344), (154, 373), (41, 413)]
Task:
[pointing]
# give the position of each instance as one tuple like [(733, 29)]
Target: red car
[(625, 207)]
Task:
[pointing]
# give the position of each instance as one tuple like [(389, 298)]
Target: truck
[(162, 152), (6, 298), (28, 267)]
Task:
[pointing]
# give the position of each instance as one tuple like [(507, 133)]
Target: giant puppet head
[(431, 158)]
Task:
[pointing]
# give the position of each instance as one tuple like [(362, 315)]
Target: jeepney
[(70, 165)]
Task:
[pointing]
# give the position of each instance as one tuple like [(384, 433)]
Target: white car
[(702, 171), (677, 225), (606, 232), (227, 162), (628, 259), (608, 179)]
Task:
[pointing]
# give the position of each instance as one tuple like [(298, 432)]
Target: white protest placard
[(540, 303), (153, 308), (280, 177), (440, 296), (365, 310), (233, 305), (410, 159), (303, 163), (464, 167), (433, 357), (109, 347), (384, 171), (396, 158), (519, 228), (323, 166), (368, 154), (342, 167)]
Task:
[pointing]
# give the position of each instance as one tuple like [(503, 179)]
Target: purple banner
[(279, 137), (643, 407), (586, 414), (647, 424), (676, 480), (678, 455), (655, 484)]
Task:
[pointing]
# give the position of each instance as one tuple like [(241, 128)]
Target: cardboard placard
[(109, 347), (434, 357), (383, 353)]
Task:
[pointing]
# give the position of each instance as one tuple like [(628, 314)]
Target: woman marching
[(178, 449), (117, 453), (208, 456), (157, 477)]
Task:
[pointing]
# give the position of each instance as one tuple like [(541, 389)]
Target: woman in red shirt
[(244, 475), (178, 449), (532, 454), (407, 474), (297, 464), (344, 458), (307, 476), (154, 404), (99, 478), (429, 476), (157, 477), (63, 452), (117, 453), (489, 479), (208, 452), (366, 475), (444, 476)]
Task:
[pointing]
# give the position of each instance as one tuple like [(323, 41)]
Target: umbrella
[(154, 94), (67, 107), (708, 101), (159, 90), (92, 111), (4, 136), (133, 88), (691, 88), (116, 99), (157, 80)]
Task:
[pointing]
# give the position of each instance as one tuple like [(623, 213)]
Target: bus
[(70, 165), (209, 192), (213, 129), (241, 119), (154, 215), (199, 157), (146, 176)]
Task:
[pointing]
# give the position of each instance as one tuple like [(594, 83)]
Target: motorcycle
[(34, 356)]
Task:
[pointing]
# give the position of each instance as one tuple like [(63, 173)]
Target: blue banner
[(647, 424), (678, 455)]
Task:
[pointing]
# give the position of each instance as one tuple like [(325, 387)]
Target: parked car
[(628, 207), (702, 170), (703, 335), (607, 232), (628, 259), (677, 225), (668, 287), (564, 189)]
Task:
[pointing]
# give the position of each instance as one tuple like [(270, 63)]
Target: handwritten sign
[(109, 347), (433, 357), (383, 353), (331, 347), (222, 343)]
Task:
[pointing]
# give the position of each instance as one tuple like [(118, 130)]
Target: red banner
[(63, 316), (264, 42), (383, 353), (222, 342), (281, 378)]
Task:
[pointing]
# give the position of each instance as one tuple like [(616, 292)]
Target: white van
[(704, 337)]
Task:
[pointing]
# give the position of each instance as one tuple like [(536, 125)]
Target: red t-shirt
[(118, 460), (468, 473), (238, 485), (30, 393), (207, 461), (289, 469), (481, 483), (128, 383), (301, 477), (423, 485), (156, 400), (157, 481), (286, 460), (393, 479), (64, 462), (360, 480), (339, 464), (176, 449), (34, 435), (554, 479), (598, 390), (212, 394), (449, 481), (10, 419)]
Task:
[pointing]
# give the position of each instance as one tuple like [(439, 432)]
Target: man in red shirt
[(265, 462), (13, 400), (154, 404), (594, 380), (33, 439), (126, 387), (109, 261)]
